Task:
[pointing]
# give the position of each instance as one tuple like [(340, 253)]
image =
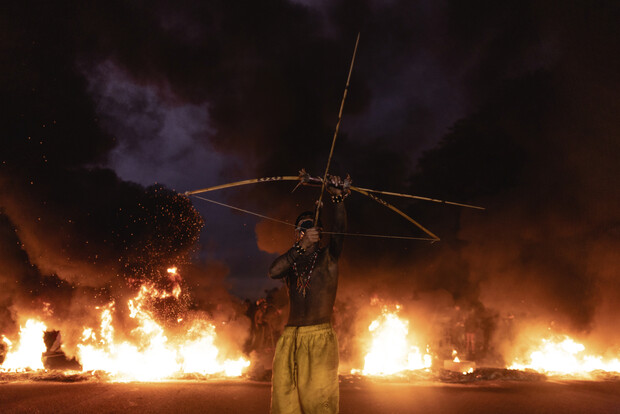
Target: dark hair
[(307, 214)]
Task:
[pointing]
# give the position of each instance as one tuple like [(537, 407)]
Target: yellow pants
[(305, 371)]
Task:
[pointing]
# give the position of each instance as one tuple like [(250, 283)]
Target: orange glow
[(564, 356), (151, 354), (390, 351), (26, 354), (465, 367), (199, 354), (176, 280), (147, 352)]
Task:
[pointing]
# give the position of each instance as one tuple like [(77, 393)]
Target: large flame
[(390, 351), (27, 354), (151, 354), (564, 356), (147, 353)]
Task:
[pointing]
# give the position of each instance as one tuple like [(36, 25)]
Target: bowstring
[(383, 236)]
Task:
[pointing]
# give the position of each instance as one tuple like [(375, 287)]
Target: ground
[(242, 396)]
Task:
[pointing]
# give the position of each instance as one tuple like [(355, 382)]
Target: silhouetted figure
[(305, 366)]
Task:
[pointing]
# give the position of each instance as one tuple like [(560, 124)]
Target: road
[(253, 397)]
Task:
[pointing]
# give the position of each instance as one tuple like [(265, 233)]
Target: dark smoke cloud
[(536, 150), (75, 235)]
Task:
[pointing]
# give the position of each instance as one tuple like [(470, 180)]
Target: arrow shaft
[(331, 151)]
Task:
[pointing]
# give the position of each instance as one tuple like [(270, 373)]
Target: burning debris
[(191, 349), (152, 353), (564, 356), (390, 351), (456, 365), (27, 351), (149, 351)]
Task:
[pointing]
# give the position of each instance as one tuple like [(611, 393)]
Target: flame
[(565, 356), (200, 354), (390, 351), (27, 354), (176, 280), (465, 367), (151, 354), (148, 352)]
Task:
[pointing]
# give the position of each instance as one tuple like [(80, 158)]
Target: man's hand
[(334, 184), (334, 190), (310, 237), (337, 186)]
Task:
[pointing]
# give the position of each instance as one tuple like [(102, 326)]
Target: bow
[(305, 179)]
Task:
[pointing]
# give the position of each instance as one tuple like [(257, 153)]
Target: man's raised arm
[(336, 241)]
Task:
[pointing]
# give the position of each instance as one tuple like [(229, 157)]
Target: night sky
[(113, 108)]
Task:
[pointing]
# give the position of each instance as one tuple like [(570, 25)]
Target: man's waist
[(306, 329)]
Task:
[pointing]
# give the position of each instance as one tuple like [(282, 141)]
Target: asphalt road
[(253, 397)]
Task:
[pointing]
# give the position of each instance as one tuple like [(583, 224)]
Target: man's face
[(303, 225)]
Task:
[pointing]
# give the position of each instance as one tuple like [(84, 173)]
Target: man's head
[(304, 222)]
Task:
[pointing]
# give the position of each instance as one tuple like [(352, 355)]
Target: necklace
[(303, 275)]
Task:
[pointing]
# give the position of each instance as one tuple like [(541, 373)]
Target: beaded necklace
[(303, 276)]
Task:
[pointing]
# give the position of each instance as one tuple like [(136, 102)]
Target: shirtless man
[(305, 366)]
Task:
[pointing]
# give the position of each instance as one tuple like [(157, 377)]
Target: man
[(305, 366)]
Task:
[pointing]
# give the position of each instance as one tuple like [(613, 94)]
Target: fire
[(125, 360), (390, 351), (27, 354), (565, 356), (148, 352), (175, 278), (199, 354), (152, 355), (456, 365)]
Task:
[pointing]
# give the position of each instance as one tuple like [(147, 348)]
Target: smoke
[(509, 105), (75, 235), (536, 148), (539, 260)]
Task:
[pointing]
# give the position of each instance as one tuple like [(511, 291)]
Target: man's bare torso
[(318, 303), (312, 299)]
